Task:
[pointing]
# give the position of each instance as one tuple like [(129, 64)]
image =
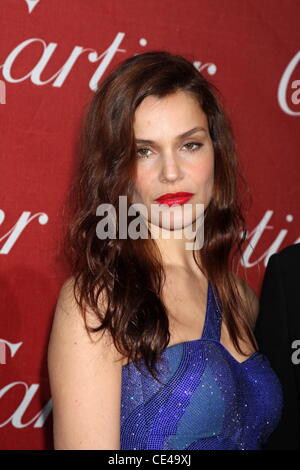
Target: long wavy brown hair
[(128, 273)]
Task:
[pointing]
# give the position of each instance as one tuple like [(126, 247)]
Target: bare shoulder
[(84, 377), (68, 310), (249, 294)]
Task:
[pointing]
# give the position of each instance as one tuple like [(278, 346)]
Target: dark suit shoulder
[(286, 262), (289, 253)]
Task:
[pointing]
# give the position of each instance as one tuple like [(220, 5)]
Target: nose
[(171, 170)]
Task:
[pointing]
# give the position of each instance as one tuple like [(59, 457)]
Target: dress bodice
[(208, 399)]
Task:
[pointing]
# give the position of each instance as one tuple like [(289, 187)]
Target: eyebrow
[(181, 136)]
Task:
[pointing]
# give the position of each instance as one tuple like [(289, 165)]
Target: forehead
[(179, 99), (179, 111)]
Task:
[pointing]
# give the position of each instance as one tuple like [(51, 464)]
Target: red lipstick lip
[(170, 196)]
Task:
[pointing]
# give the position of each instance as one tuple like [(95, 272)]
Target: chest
[(186, 299)]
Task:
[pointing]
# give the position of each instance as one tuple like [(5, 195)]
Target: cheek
[(142, 182), (205, 172)]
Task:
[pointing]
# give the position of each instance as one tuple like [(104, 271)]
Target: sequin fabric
[(208, 399)]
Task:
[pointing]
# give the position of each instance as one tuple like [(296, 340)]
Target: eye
[(141, 152), (143, 155), (193, 143)]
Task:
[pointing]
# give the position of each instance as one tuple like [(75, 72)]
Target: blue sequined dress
[(209, 400)]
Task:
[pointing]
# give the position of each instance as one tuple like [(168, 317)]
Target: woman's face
[(171, 163)]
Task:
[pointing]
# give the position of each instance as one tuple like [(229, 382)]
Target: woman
[(172, 362)]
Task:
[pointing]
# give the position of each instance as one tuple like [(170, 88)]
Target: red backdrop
[(52, 55)]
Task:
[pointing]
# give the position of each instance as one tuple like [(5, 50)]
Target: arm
[(85, 381), (273, 337)]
